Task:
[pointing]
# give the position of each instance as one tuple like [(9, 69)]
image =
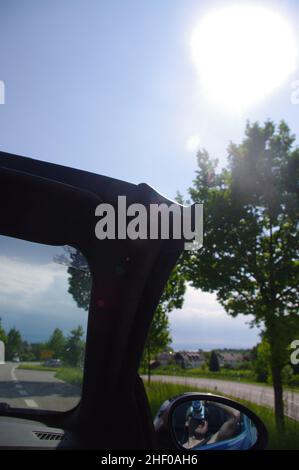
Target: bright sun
[(242, 53)]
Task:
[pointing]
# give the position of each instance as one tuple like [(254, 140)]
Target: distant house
[(230, 359), (2, 352), (189, 359), (165, 357)]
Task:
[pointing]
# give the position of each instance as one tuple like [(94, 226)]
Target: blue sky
[(110, 87)]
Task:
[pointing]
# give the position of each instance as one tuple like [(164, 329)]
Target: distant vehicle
[(52, 363)]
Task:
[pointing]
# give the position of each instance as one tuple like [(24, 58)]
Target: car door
[(54, 205)]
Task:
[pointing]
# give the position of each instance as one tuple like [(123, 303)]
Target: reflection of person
[(198, 425)]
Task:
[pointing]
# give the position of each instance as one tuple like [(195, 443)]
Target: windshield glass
[(44, 295)]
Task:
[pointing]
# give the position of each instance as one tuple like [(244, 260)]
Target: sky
[(112, 87), (34, 295)]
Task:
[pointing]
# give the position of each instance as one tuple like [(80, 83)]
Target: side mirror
[(202, 421)]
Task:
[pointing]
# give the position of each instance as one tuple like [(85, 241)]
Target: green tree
[(214, 362), (57, 343), (14, 344), (26, 352), (79, 275), (262, 362), (250, 252), (80, 286), (74, 350)]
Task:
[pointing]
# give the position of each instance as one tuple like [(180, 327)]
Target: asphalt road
[(262, 395), (40, 389), (35, 389)]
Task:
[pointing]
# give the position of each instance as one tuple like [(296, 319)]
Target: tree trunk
[(276, 345), (278, 397), (277, 351)]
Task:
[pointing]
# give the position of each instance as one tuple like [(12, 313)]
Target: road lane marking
[(31, 403), (13, 375)]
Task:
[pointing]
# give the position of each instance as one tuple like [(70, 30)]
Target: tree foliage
[(14, 344), (57, 343), (2, 332), (250, 252), (214, 362), (74, 350), (262, 361)]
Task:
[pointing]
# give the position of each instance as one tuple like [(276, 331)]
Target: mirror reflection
[(200, 425)]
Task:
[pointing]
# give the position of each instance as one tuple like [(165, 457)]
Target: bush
[(294, 381)]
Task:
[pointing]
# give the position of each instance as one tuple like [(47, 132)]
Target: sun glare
[(242, 54), (193, 143)]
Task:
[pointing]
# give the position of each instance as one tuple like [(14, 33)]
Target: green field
[(158, 392)]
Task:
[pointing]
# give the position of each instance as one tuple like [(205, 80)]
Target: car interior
[(54, 205)]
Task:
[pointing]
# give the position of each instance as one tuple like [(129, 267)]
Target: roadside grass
[(234, 375), (71, 375), (158, 392), (241, 375)]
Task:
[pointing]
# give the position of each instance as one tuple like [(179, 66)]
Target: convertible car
[(54, 205)]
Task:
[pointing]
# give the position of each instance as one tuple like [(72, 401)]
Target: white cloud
[(34, 298), (22, 284), (203, 323)]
